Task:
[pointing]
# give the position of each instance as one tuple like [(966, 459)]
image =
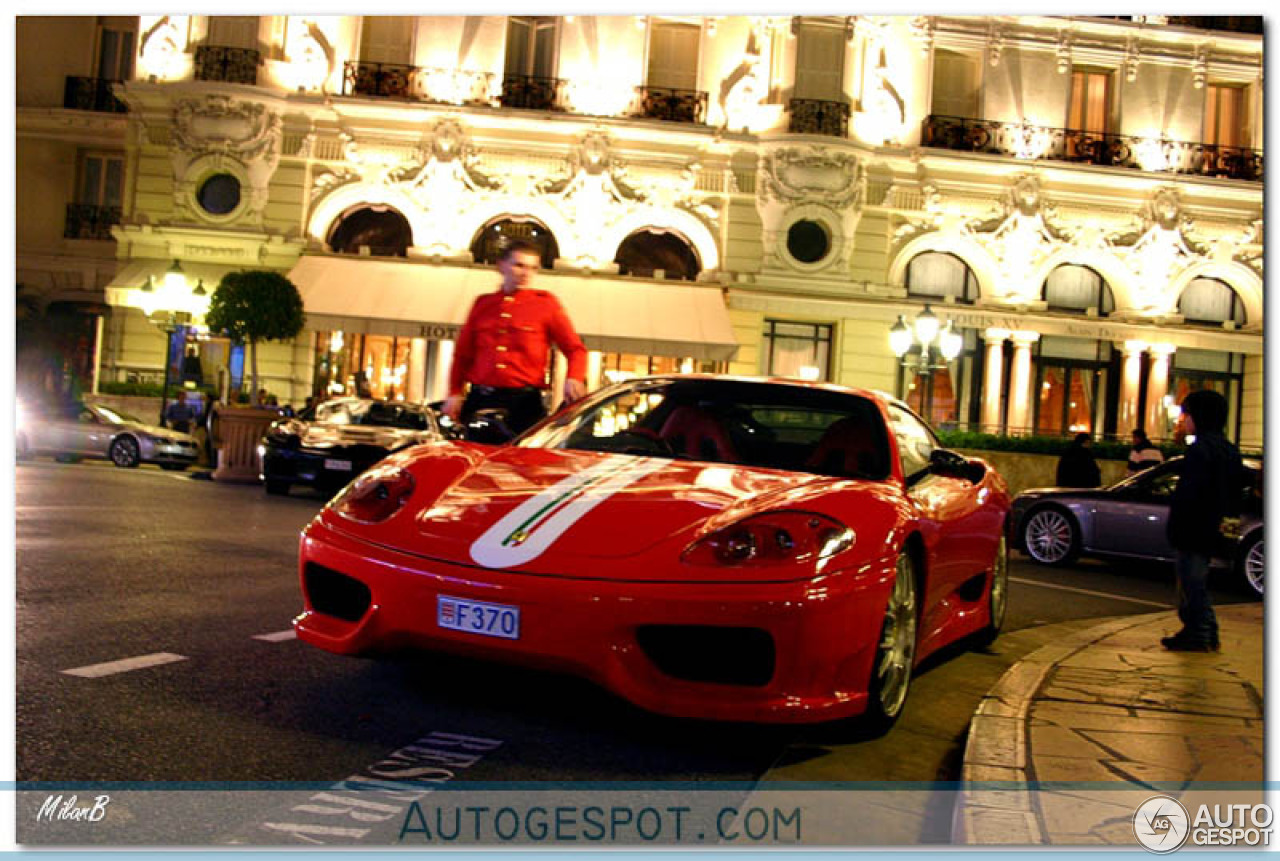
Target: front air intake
[(335, 594), (705, 653)]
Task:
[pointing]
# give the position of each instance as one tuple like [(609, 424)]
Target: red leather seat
[(697, 433), (848, 448)]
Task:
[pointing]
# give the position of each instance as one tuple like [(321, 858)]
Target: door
[(1131, 520)]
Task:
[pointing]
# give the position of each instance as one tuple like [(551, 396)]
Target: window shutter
[(673, 55), (234, 31), (387, 39), (820, 64), (955, 85)]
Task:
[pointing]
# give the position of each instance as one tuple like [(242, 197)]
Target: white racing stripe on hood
[(534, 525)]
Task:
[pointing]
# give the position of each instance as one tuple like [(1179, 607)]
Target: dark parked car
[(72, 430), (1056, 525), (335, 441)]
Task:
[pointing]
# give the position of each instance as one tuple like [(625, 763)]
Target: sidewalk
[(1110, 710)]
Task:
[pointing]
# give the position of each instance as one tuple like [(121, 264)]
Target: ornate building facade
[(1078, 201)]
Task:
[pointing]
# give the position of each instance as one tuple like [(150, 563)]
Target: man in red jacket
[(502, 348)]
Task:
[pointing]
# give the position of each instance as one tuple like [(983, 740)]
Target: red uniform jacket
[(506, 338)]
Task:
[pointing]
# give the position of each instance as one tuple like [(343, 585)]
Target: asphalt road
[(194, 584)]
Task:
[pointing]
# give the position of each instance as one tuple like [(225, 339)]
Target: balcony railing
[(90, 221), (91, 94), (400, 81), (673, 105), (1026, 141), (538, 94), (817, 117), (229, 65)]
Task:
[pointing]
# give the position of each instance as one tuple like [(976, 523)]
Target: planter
[(236, 433)]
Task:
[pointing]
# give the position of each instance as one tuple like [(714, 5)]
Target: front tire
[(1251, 565), (895, 656), (1051, 536), (997, 596), (124, 452)]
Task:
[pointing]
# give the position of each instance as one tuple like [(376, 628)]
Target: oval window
[(219, 194), (808, 241)]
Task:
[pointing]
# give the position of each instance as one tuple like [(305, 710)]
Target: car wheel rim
[(1048, 536), (1255, 566), (1000, 584), (898, 642), (122, 453)]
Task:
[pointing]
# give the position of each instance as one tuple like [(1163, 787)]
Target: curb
[(996, 750)]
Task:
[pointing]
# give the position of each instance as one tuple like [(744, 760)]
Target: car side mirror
[(952, 464), (489, 427)]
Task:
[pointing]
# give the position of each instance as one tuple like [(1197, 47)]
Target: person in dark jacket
[(1144, 454), (1076, 467), (1208, 490)]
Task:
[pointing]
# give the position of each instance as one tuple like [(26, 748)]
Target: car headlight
[(375, 495), (771, 539)]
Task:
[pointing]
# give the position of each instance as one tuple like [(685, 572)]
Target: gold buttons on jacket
[(501, 348)]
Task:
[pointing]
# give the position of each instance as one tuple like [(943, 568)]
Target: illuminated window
[(646, 251), (387, 39), (490, 242), (1211, 302), (936, 275), (1078, 288), (1224, 115), (1090, 106), (797, 350), (531, 46)]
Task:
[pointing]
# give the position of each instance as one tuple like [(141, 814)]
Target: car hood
[(156, 431), (1063, 493), (324, 435), (547, 509)]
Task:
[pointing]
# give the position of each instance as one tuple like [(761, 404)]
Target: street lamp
[(938, 346), (171, 306)]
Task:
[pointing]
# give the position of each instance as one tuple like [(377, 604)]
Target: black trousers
[(524, 405)]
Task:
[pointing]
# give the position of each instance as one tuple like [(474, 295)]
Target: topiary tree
[(252, 306)]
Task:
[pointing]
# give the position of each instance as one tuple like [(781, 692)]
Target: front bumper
[(327, 470), (824, 632)]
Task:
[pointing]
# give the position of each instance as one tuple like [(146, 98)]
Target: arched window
[(489, 243), (1211, 302), (384, 231), (936, 275), (646, 251), (1078, 288)]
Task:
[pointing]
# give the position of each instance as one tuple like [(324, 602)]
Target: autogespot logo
[(1161, 824)]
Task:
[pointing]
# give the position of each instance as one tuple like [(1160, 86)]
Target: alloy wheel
[(1255, 567), (1049, 536), (898, 640)]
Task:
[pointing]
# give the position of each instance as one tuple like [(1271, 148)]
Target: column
[(416, 373), (1020, 382), (441, 354), (559, 372), (595, 370), (1157, 419), (993, 380), (1127, 416)]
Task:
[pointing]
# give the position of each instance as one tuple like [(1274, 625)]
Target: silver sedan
[(71, 431), (1056, 525)]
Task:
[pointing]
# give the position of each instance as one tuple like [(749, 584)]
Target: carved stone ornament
[(219, 133), (449, 167), (794, 175), (1160, 247), (1021, 236), (593, 170)]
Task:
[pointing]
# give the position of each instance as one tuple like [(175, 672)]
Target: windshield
[(116, 417), (761, 424), (380, 413)]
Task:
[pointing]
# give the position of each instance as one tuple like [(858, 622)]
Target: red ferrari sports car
[(703, 546)]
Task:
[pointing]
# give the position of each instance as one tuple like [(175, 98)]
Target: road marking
[(94, 671), (278, 636), (1091, 592)]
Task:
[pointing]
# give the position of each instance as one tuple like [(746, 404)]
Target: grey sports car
[(73, 430), (1055, 525)]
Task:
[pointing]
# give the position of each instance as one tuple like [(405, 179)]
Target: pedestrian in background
[(1077, 467), (1208, 490), (179, 415), (1144, 454), (503, 347)]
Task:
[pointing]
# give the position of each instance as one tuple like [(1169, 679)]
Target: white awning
[(121, 289), (615, 315)]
